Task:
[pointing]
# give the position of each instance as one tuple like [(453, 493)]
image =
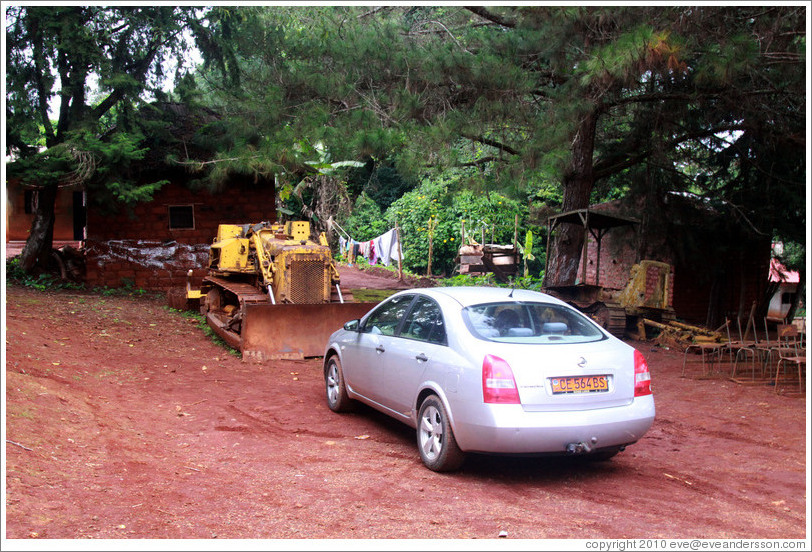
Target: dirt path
[(124, 421)]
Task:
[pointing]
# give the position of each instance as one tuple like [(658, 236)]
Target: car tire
[(336, 391), (435, 439)]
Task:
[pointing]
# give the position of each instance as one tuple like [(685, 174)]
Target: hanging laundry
[(384, 248), (372, 254), (388, 248)]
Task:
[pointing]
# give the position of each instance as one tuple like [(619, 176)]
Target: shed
[(720, 265)]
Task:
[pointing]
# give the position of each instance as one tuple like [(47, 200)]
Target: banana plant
[(527, 250)]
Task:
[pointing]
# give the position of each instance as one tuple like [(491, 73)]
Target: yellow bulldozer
[(272, 292)]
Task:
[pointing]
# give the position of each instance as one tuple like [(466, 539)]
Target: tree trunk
[(565, 253), (38, 247)]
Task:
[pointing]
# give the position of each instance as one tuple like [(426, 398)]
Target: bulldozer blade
[(233, 339), (293, 332)]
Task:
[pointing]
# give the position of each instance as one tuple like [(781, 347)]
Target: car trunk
[(573, 376)]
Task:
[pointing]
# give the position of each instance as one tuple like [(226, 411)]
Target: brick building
[(69, 212), (153, 245), (720, 264)]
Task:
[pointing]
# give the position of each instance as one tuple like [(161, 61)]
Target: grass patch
[(371, 295), (204, 327)]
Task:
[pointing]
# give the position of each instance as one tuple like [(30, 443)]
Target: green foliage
[(437, 204), (554, 106), (380, 181), (366, 221), (41, 282), (92, 68), (458, 280), (794, 255), (527, 251), (487, 280), (127, 289)]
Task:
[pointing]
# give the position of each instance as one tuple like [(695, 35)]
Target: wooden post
[(516, 231), (400, 253), (430, 228)]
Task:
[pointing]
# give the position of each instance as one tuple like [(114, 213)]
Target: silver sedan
[(491, 370)]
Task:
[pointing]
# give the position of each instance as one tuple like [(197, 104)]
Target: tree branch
[(492, 17), (492, 143), (613, 165), (42, 91)]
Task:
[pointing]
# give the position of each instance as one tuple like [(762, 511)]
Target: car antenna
[(512, 289)]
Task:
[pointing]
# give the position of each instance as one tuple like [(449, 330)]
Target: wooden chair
[(790, 353)]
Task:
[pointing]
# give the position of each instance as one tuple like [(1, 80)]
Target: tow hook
[(582, 448), (578, 448)]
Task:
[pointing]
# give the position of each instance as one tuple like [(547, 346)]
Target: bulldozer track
[(611, 316), (245, 292)]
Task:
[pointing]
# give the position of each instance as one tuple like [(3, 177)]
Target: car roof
[(475, 295)]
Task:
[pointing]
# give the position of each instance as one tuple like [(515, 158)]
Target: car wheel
[(435, 438), (337, 398)]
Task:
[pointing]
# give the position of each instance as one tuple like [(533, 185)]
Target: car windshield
[(530, 322)]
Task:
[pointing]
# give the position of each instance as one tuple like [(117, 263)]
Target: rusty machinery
[(272, 292), (646, 293)]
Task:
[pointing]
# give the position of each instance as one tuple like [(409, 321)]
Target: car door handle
[(380, 349), (421, 357)]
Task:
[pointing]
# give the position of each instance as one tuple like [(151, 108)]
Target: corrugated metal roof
[(780, 273)]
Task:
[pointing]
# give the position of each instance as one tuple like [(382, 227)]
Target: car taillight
[(498, 383), (642, 377)]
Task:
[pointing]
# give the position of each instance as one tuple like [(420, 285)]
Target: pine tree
[(586, 96), (96, 66)]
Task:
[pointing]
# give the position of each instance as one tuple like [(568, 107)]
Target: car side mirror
[(352, 325)]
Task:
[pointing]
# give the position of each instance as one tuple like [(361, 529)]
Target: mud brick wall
[(138, 248), (653, 284), (618, 255)]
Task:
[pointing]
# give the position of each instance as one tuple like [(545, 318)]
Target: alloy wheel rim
[(431, 433), (332, 383)]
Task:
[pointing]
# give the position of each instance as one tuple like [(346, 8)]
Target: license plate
[(580, 384)]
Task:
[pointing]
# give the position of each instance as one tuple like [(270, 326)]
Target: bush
[(43, 281), (433, 210), (366, 221)]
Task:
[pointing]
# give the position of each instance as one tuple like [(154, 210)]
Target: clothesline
[(384, 248)]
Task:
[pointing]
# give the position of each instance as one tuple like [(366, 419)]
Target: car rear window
[(530, 322)]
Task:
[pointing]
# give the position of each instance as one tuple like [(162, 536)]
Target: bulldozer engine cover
[(286, 331), (306, 280)]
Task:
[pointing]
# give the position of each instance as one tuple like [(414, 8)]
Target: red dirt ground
[(124, 421)]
